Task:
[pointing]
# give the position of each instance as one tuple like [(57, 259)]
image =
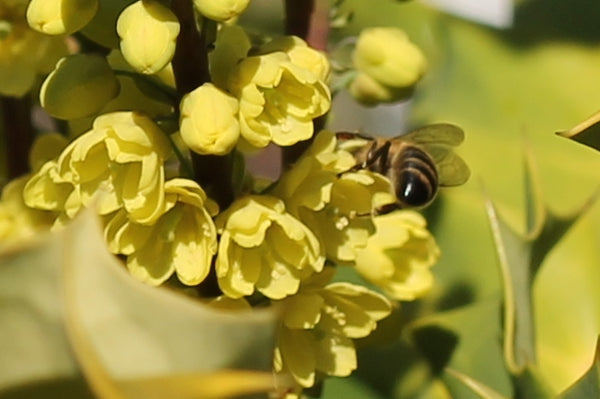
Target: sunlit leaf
[(520, 257), (586, 132), (64, 297), (588, 386)]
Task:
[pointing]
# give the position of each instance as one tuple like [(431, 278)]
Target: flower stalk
[(191, 70)]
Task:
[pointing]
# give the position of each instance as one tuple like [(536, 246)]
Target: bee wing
[(452, 170), (440, 133)]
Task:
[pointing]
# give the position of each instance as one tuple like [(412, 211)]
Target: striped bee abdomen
[(416, 177)]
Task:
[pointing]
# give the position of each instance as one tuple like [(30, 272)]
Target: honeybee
[(416, 163)]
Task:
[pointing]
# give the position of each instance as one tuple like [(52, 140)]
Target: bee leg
[(378, 154), (351, 136), (387, 208)]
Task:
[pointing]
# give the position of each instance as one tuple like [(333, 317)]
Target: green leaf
[(80, 85), (586, 132), (588, 386), (520, 259), (465, 340), (65, 301), (477, 386)]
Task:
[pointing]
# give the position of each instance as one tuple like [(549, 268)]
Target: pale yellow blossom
[(334, 202), (118, 163), (183, 240), (264, 248), (278, 99), (398, 257), (319, 324)]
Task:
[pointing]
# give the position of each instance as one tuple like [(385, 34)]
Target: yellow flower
[(278, 99), (118, 163), (319, 323), (148, 31), (183, 239), (24, 53), (345, 223), (308, 183), (398, 256), (334, 203), (301, 54), (60, 17), (221, 10), (265, 248), (16, 219), (388, 65), (208, 122)]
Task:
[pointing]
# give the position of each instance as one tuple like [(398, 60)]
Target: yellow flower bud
[(265, 248), (397, 258), (392, 62), (370, 92), (60, 17), (148, 31), (221, 10), (208, 123), (79, 86)]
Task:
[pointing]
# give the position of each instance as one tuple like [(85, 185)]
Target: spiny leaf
[(520, 258), (586, 132), (465, 340), (588, 386)]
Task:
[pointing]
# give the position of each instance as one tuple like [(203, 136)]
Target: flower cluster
[(163, 179), (270, 97)]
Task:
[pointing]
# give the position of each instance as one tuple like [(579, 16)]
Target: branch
[(16, 116)]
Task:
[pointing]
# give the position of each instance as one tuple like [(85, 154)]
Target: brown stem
[(297, 17), (18, 132), (190, 61), (308, 19), (191, 69)]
